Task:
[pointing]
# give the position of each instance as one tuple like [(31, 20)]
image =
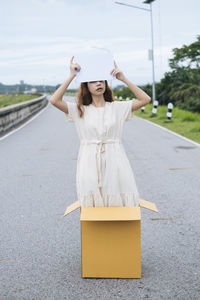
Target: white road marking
[(172, 132)]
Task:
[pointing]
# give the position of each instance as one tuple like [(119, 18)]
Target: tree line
[(181, 85)]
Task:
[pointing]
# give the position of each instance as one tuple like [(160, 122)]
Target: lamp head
[(148, 1)]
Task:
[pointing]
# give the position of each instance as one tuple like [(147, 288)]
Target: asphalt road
[(40, 253)]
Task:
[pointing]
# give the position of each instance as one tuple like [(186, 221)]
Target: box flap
[(72, 207), (148, 205), (112, 213), (117, 213)]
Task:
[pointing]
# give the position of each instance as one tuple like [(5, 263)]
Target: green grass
[(6, 100), (73, 94), (182, 122)]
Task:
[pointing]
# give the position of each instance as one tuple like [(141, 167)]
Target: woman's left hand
[(117, 72)]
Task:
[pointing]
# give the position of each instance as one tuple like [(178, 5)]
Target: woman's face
[(97, 87)]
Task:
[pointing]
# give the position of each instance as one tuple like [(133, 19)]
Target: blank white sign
[(96, 64)]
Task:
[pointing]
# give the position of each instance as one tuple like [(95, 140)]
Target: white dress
[(104, 176)]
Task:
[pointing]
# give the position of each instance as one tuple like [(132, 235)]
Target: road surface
[(40, 251)]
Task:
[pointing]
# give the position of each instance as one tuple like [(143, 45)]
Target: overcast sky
[(38, 37)]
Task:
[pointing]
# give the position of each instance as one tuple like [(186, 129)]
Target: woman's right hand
[(74, 67)]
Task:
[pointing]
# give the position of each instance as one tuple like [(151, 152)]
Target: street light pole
[(152, 46), (152, 43)]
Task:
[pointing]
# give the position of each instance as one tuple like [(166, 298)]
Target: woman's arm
[(142, 97), (56, 98)]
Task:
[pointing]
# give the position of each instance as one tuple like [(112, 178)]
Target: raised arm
[(142, 97), (56, 98)]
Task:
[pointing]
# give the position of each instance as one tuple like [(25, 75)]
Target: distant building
[(33, 90), (22, 82)]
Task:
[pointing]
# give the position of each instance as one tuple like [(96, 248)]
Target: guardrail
[(13, 115)]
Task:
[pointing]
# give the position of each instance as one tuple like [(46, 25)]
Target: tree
[(181, 86), (186, 57)]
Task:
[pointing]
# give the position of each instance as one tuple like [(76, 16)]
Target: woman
[(104, 176)]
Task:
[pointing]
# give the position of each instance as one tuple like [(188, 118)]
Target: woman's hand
[(117, 73), (74, 67)]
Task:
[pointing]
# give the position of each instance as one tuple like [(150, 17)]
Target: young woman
[(104, 176)]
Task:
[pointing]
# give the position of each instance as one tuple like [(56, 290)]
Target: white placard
[(96, 64)]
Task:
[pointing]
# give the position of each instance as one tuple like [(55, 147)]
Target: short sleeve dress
[(104, 176)]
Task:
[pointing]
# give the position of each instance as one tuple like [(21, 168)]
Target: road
[(40, 251)]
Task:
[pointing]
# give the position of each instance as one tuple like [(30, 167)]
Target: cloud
[(40, 36)]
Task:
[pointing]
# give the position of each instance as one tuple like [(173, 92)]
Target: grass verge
[(182, 122), (6, 100)]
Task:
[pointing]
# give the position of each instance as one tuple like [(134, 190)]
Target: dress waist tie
[(100, 149)]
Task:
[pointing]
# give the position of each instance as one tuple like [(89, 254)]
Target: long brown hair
[(85, 98)]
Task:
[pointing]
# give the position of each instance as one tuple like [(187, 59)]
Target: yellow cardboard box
[(111, 240)]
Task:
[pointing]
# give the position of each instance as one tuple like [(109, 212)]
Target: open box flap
[(148, 205), (72, 207), (108, 213), (143, 203)]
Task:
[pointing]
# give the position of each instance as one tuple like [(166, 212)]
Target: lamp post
[(152, 43)]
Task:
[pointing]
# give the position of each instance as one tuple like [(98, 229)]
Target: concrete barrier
[(13, 115)]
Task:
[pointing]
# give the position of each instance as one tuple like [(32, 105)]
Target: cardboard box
[(111, 240)]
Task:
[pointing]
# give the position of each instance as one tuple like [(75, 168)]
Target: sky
[(39, 37)]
